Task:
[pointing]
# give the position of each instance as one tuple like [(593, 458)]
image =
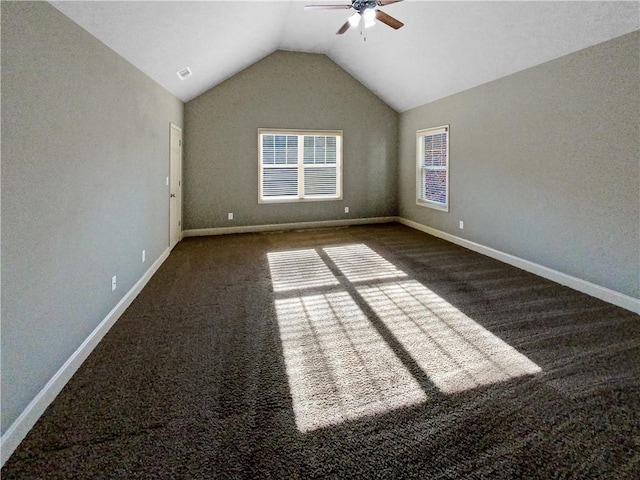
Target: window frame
[(420, 135), (300, 165)]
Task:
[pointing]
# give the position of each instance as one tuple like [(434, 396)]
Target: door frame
[(175, 186)]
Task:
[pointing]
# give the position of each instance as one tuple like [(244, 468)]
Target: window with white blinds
[(300, 165), (433, 168)]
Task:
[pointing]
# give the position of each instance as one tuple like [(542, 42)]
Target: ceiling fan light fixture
[(369, 16), (365, 10), (354, 19)]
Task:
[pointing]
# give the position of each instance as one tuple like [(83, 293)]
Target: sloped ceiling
[(444, 47)]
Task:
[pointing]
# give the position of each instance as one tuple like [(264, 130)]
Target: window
[(300, 165), (433, 168)]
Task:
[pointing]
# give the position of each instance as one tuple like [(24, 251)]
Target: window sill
[(435, 206), (297, 200)]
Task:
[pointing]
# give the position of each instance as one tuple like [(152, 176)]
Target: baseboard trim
[(30, 415), (201, 232), (602, 293)]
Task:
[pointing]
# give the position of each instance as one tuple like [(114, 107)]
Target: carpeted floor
[(361, 352)]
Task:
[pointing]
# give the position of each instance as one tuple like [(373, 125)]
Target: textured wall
[(545, 164), (85, 153), (285, 90)]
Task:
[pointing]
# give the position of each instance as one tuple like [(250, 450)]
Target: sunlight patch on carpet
[(338, 365), (454, 351), (359, 263), (299, 269)]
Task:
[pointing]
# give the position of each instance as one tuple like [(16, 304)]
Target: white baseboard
[(28, 418), (201, 232), (602, 293)]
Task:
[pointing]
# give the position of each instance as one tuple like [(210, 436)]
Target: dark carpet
[(361, 352)]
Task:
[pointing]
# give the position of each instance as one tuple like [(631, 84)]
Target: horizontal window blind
[(297, 165), (320, 181), (280, 149), (433, 167), (320, 149), (279, 182), (434, 186)]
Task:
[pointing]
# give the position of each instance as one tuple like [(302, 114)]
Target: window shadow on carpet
[(360, 337)]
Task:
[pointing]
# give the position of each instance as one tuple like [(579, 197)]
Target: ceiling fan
[(365, 10)]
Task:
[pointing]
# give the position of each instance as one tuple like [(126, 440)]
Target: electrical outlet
[(461, 225), (230, 216), (346, 209), (114, 283), (144, 255)]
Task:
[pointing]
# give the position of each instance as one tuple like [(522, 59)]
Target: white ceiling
[(444, 47)]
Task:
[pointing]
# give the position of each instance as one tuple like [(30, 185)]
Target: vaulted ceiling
[(444, 47)]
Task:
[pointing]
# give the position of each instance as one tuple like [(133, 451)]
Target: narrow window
[(432, 187), (299, 165)]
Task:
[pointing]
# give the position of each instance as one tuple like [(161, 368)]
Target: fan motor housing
[(360, 5)]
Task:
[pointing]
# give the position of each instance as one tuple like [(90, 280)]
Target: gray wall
[(285, 90), (85, 153), (545, 164)]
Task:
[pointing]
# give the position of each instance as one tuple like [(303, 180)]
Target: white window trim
[(420, 134), (301, 198)]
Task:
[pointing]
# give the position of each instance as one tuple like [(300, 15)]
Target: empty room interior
[(361, 239)]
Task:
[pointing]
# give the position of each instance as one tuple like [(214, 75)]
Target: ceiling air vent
[(185, 73)]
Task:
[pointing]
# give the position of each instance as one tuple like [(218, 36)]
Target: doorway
[(175, 187)]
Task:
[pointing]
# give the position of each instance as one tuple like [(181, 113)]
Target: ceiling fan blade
[(388, 19), (382, 3), (343, 28), (327, 7)]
